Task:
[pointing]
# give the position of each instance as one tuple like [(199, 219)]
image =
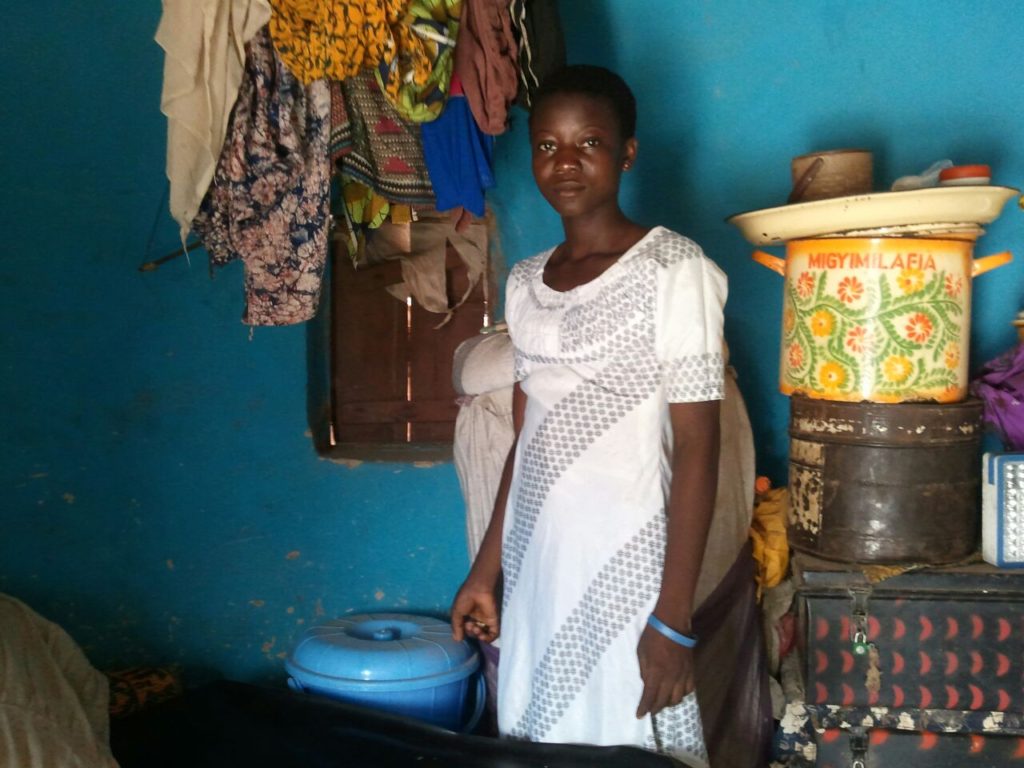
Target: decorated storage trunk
[(940, 638), (829, 736), (921, 668)]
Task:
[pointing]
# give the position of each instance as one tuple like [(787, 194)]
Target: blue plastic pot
[(400, 663)]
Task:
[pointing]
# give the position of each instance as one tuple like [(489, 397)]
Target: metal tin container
[(884, 483), (883, 319)]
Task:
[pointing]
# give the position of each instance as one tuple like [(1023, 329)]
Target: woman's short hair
[(599, 82)]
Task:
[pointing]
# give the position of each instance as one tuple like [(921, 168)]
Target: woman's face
[(578, 154)]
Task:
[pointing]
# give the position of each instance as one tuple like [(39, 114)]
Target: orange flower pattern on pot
[(859, 339), (805, 285), (919, 328), (850, 290), (796, 356), (953, 286), (884, 319), (788, 320)]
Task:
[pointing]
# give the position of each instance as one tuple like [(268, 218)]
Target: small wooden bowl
[(835, 173)]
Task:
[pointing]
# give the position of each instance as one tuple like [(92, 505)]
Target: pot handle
[(986, 263), (775, 264)]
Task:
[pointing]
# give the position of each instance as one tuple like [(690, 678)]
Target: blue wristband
[(676, 637)]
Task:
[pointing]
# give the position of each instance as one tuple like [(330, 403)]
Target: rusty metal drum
[(886, 483)]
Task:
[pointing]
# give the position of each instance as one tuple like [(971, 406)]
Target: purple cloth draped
[(1000, 387)]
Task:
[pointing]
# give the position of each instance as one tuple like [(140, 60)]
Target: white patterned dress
[(584, 533)]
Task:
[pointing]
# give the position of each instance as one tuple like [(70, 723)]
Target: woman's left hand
[(666, 669)]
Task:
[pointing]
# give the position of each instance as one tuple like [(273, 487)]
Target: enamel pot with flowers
[(883, 320)]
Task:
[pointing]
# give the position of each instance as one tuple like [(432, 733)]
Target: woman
[(603, 511)]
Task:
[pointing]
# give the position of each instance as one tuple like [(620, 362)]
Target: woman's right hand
[(475, 613)]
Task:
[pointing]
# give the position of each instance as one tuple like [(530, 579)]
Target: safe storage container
[(401, 663)]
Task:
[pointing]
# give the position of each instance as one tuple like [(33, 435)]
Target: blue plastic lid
[(381, 652)]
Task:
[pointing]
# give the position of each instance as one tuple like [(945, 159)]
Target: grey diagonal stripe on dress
[(678, 731), (569, 428), (590, 410), (623, 586)]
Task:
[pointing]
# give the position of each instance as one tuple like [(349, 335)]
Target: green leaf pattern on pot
[(894, 333)]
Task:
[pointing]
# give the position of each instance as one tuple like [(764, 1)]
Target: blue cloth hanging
[(458, 157)]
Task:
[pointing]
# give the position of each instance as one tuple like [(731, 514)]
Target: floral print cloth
[(269, 201), (204, 46)]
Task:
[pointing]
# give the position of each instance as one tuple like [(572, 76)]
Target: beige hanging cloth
[(734, 500), (204, 46), (483, 375), (422, 247)]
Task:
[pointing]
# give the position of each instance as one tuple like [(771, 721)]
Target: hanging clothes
[(334, 39), (486, 62), (458, 156), (378, 156), (424, 261), (409, 44), (541, 44), (204, 46), (269, 201), (372, 144), (416, 80)]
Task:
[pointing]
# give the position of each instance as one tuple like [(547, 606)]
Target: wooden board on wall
[(391, 365)]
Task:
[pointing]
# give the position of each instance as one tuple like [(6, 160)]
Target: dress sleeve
[(689, 328), (514, 288), (520, 365)]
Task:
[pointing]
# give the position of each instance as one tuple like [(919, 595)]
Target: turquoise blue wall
[(160, 496)]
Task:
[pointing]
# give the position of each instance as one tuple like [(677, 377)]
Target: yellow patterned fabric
[(768, 534), (364, 206), (334, 39), (409, 44)]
